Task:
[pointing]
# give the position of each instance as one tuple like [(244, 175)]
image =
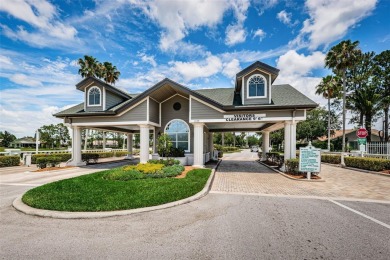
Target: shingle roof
[(286, 95), (282, 96), (223, 96)]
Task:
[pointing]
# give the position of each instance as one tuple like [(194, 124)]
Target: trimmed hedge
[(67, 156), (226, 149), (51, 161), (292, 166), (7, 161), (371, 164), (334, 159)]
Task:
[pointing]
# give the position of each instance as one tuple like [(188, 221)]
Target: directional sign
[(362, 133), (362, 141)]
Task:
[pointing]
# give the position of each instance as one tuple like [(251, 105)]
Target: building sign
[(309, 159), (244, 117)]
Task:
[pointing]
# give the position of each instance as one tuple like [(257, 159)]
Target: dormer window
[(94, 97), (257, 86)]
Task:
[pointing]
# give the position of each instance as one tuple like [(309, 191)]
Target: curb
[(20, 206), (285, 175)]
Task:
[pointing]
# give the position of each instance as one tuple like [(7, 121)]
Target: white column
[(86, 139), (211, 143), (287, 140), (293, 140), (76, 148), (198, 145), (104, 140), (129, 146), (265, 146), (154, 139), (144, 143)]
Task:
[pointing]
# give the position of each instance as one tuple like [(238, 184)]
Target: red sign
[(362, 133)]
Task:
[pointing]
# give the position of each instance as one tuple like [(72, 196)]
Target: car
[(254, 148)]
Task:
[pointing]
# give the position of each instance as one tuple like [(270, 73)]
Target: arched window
[(257, 86), (179, 132), (94, 97)]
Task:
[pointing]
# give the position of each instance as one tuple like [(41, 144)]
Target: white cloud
[(330, 20), (24, 80), (296, 69), (284, 17), (201, 69), (292, 63), (262, 5), (178, 17), (235, 34), (230, 69), (43, 16), (259, 33), (148, 59)]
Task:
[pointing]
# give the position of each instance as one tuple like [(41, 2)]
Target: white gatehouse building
[(190, 117)]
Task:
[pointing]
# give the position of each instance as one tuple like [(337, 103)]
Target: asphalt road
[(218, 226)]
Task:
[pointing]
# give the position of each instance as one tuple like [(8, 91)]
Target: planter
[(182, 160)]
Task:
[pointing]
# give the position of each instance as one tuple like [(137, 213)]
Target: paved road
[(218, 226)]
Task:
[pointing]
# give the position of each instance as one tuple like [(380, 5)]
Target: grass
[(93, 193)]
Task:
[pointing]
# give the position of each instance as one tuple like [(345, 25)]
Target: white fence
[(378, 148), (18, 151)]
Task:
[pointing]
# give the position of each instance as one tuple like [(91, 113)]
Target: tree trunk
[(328, 123), (368, 126), (361, 119), (386, 130), (344, 99)]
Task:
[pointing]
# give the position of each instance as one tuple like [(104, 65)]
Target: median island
[(128, 187)]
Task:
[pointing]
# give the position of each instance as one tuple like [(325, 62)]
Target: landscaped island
[(121, 188)]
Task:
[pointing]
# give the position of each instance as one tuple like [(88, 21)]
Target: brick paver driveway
[(240, 173)]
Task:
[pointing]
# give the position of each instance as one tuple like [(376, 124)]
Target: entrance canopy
[(254, 104)]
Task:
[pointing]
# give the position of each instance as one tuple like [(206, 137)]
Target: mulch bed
[(53, 169), (385, 171), (313, 177), (184, 173)]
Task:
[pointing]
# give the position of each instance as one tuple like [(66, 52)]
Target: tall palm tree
[(110, 73), (88, 67), (382, 78), (339, 59), (329, 88)]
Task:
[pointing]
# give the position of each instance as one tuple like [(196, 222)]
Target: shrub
[(292, 166), (7, 161), (45, 161), (121, 153), (220, 154), (371, 164), (176, 152), (173, 171), (90, 157), (334, 159), (63, 157), (166, 162), (122, 175), (226, 149), (149, 168)]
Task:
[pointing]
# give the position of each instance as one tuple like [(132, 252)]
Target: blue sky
[(201, 44)]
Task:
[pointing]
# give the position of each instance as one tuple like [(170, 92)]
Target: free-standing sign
[(362, 141), (362, 133), (243, 117), (309, 159)]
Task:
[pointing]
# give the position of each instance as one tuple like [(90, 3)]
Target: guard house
[(190, 116)]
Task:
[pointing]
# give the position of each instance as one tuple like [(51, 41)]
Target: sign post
[(309, 160), (362, 141)]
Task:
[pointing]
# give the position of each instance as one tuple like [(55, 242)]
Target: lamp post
[(37, 141)]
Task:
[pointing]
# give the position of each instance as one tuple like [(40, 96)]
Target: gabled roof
[(339, 133), (86, 82), (258, 65)]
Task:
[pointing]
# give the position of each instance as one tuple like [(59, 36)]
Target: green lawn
[(93, 193)]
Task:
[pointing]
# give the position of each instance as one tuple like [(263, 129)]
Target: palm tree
[(110, 73), (329, 88), (382, 78), (88, 67), (339, 59)]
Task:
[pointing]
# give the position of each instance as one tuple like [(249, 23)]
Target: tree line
[(91, 67)]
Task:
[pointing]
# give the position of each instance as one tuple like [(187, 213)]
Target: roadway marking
[(361, 214), (20, 184)]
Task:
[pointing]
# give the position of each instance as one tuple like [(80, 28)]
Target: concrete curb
[(285, 175), (20, 206), (357, 169)]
